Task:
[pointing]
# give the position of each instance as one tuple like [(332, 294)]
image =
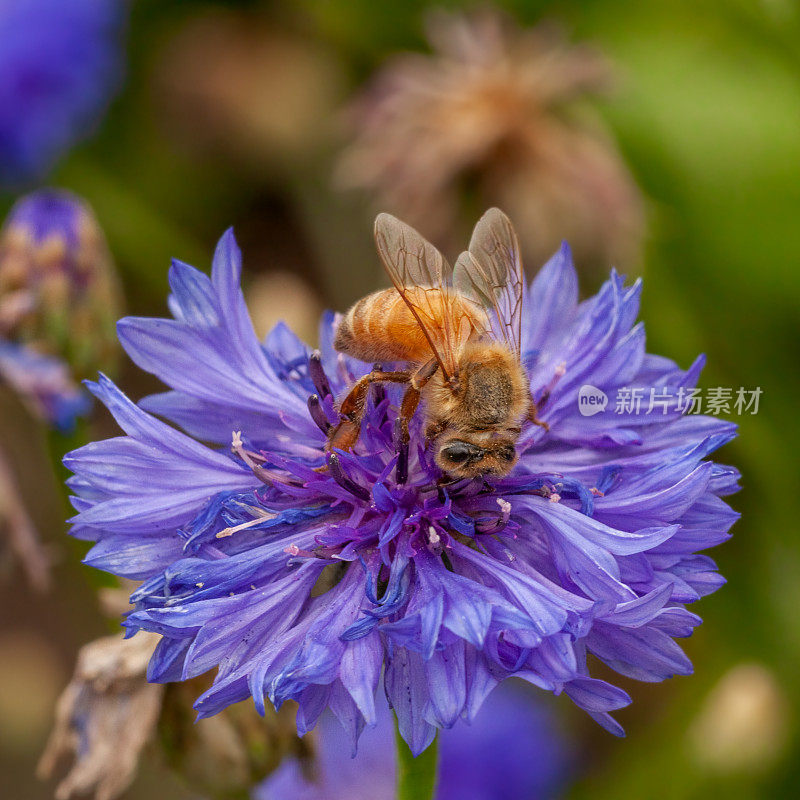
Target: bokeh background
[(245, 114)]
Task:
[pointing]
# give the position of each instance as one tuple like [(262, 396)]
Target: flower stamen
[(317, 374), (317, 413), (262, 516), (347, 483)]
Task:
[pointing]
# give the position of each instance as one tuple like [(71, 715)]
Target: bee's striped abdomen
[(381, 327)]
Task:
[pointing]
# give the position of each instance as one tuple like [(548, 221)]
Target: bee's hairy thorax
[(490, 391)]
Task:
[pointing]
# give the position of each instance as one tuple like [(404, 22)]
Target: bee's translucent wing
[(490, 274), (422, 276)]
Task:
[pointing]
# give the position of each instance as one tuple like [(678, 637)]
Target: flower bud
[(58, 290), (743, 724)]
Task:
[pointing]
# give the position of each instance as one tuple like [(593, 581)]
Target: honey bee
[(459, 331)]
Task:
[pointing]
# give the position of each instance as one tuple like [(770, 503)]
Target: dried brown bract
[(104, 718), (109, 712)]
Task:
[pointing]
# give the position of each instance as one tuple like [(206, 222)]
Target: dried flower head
[(501, 112), (317, 586)]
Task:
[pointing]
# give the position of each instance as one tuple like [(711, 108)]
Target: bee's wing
[(422, 276), (490, 274)]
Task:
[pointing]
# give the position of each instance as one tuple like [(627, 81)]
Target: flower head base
[(502, 109), (316, 586), (58, 65)]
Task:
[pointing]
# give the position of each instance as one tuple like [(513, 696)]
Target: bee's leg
[(533, 418), (411, 397), (345, 434), (408, 408)]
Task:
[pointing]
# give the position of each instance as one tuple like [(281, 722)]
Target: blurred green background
[(706, 112)]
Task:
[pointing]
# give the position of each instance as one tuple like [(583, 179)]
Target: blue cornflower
[(514, 750), (59, 64), (318, 586)]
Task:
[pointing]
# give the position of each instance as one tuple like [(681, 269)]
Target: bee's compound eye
[(459, 452)]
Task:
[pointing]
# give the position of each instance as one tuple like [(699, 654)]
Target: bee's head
[(463, 456)]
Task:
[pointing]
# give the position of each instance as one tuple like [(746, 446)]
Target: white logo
[(591, 400)]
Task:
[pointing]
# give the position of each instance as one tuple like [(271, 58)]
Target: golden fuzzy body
[(459, 332), (482, 407)]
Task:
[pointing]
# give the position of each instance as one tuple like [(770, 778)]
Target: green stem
[(416, 777)]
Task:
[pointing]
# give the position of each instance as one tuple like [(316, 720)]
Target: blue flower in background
[(319, 586), (59, 64), (513, 750)]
